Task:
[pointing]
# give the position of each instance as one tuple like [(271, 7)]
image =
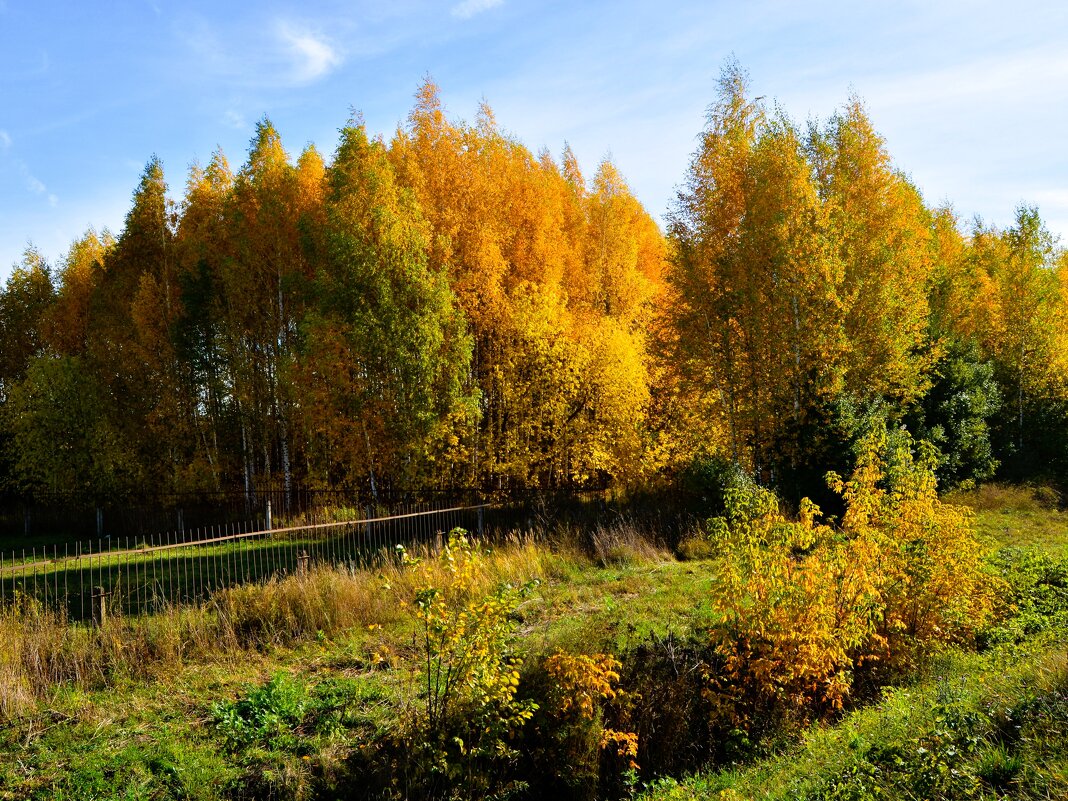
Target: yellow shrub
[(581, 685), (581, 682), (466, 639), (459, 733), (802, 605), (935, 585), (796, 610)]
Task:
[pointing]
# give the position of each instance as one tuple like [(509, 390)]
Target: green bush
[(709, 480)]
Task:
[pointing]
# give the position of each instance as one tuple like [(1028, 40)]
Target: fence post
[(268, 523), (302, 563), (100, 607), (99, 522), (481, 509)]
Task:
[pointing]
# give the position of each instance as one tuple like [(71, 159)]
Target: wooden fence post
[(302, 563), (100, 607)]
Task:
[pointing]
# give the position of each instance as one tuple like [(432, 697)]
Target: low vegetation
[(886, 654)]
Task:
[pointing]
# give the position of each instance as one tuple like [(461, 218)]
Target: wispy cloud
[(469, 8), (5, 139), (311, 55), (234, 120), (35, 184), (283, 53)]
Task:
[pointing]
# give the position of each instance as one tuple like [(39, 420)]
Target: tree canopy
[(445, 308)]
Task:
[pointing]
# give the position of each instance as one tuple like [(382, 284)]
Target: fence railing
[(44, 520), (140, 575)]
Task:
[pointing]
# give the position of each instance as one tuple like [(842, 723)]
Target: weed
[(269, 715), (1001, 497)]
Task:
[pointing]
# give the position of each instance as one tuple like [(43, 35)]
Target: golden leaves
[(803, 605)]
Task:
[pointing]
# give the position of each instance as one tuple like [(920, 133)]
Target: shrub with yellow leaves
[(458, 736), (935, 585), (581, 682), (581, 690), (802, 605), (793, 610)]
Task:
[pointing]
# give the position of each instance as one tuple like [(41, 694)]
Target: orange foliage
[(803, 605)]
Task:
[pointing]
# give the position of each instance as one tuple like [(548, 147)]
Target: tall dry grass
[(624, 542), (998, 497), (40, 650)]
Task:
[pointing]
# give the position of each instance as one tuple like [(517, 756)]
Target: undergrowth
[(880, 656), (40, 650)]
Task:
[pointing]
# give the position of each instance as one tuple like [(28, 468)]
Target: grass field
[(1019, 517), (283, 690)]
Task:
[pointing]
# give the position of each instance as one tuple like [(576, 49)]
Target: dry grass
[(1003, 497), (40, 650), (624, 543)]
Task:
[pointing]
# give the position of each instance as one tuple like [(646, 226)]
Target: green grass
[(1044, 530), (986, 726), (288, 718), (1022, 517), (169, 737)]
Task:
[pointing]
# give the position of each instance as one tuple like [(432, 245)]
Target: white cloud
[(5, 139), (234, 120), (284, 54), (35, 184), (468, 8), (311, 56)]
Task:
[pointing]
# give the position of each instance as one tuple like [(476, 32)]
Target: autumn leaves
[(446, 309), (813, 288)]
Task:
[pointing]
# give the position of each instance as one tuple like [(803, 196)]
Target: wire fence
[(87, 580), (42, 521)]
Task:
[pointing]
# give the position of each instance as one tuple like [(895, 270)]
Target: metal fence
[(57, 519), (140, 575)]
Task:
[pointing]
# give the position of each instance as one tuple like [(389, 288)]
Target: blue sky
[(972, 97)]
